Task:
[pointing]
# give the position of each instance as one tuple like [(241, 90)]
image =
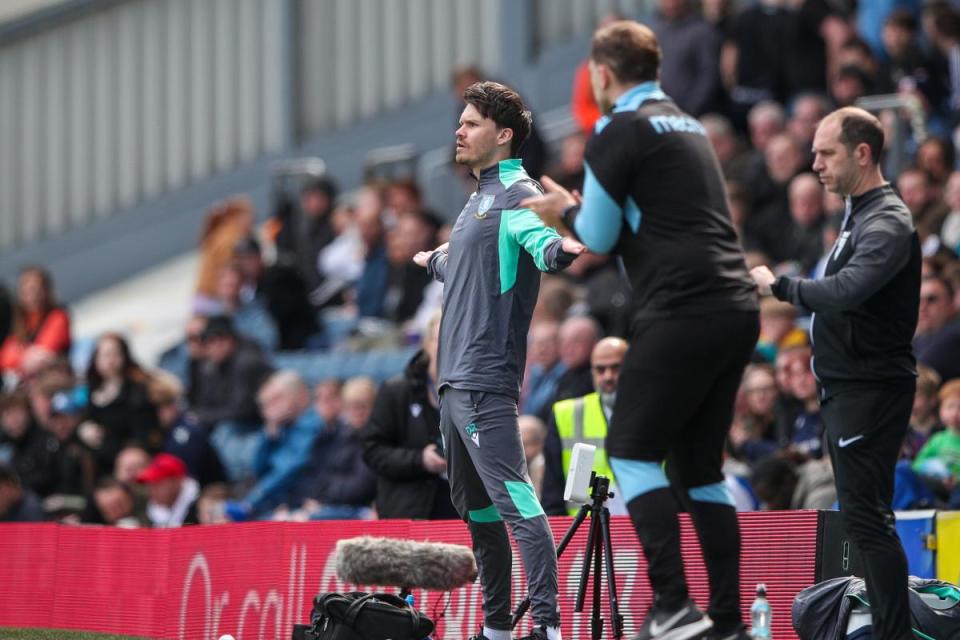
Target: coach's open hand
[(764, 279), (423, 257), (550, 206)]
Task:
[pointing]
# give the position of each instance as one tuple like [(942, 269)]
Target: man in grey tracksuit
[(491, 274)]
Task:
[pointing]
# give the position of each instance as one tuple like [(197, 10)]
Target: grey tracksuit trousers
[(490, 485)]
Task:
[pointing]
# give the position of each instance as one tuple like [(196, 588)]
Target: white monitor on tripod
[(578, 473)]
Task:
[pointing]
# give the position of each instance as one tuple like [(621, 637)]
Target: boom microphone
[(434, 566)]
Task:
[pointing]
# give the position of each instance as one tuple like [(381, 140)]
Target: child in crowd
[(939, 459), (924, 420)]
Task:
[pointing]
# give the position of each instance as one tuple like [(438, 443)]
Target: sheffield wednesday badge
[(485, 203)]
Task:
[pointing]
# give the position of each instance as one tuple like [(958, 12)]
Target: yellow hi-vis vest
[(583, 420)]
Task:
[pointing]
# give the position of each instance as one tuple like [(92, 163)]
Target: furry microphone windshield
[(434, 566)]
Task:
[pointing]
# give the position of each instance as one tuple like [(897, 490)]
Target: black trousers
[(865, 428), (674, 402)]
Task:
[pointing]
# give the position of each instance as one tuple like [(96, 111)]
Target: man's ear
[(504, 135), (606, 76), (600, 74), (862, 154)]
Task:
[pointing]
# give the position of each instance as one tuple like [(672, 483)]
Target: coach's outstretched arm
[(595, 219), (434, 261), (550, 251), (598, 217)]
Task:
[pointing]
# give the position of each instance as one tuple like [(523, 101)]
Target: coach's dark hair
[(629, 48), (504, 106), (859, 127)]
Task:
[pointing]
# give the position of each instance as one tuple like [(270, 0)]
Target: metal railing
[(121, 104), (110, 103), (107, 104), (357, 58)]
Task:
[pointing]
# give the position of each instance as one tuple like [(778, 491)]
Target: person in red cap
[(172, 495)]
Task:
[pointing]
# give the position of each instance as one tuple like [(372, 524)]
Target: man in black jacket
[(283, 291), (402, 441), (865, 313), (25, 446), (17, 503), (223, 394)]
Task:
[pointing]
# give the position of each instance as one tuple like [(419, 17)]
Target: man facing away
[(654, 194)]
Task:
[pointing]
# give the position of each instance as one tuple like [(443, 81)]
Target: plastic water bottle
[(760, 615)]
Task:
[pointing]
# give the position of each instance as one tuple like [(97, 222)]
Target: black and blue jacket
[(654, 194)]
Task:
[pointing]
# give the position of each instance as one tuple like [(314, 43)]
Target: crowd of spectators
[(220, 433)]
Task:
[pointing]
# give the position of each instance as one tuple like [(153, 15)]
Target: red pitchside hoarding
[(256, 580)]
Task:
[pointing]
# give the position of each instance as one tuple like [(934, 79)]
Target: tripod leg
[(519, 612), (577, 521), (524, 606), (585, 571), (596, 622), (616, 618)]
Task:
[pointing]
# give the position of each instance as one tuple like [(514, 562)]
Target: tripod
[(599, 546)]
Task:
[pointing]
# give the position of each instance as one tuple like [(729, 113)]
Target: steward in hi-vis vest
[(585, 420)]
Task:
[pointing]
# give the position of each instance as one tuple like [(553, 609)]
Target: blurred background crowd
[(304, 383)]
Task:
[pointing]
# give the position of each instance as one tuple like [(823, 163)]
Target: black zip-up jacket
[(865, 307), (403, 422), (33, 458)]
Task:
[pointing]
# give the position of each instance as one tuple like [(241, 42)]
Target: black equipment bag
[(821, 611), (367, 616)]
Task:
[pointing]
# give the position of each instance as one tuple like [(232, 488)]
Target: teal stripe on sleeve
[(508, 252), (521, 228)]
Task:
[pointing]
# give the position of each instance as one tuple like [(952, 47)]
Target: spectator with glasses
[(937, 341)]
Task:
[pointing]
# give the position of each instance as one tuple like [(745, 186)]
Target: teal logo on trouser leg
[(473, 432)]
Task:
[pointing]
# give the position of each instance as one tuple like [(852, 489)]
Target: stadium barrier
[(256, 580)]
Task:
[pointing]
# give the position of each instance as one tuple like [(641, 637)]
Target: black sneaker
[(538, 633), (685, 623), (739, 633)]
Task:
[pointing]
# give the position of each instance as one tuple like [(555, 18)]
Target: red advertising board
[(256, 580)]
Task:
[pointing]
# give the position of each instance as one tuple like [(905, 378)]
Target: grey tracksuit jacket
[(491, 276)]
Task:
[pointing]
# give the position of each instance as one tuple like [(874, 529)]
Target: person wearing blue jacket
[(290, 427)]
